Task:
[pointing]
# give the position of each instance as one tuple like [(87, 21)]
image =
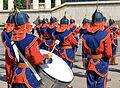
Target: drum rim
[(57, 79)]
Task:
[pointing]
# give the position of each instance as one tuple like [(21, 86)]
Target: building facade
[(44, 4)]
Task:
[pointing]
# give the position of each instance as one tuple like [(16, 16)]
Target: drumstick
[(56, 43)]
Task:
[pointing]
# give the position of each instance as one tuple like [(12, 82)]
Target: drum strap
[(25, 60)]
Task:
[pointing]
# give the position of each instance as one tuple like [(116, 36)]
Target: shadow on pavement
[(79, 75), (3, 78), (114, 70), (76, 66)]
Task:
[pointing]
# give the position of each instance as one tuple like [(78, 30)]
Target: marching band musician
[(20, 75), (9, 26), (75, 30), (6, 34), (83, 30), (52, 28), (44, 35), (97, 44), (115, 32), (67, 40), (38, 24)]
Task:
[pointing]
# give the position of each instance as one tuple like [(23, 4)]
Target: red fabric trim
[(8, 51), (99, 49), (112, 25), (18, 36), (85, 47), (91, 66), (52, 25), (9, 27), (30, 45), (105, 82), (72, 24), (19, 32), (62, 28), (44, 25), (67, 57), (85, 26), (95, 27), (38, 26), (28, 28)]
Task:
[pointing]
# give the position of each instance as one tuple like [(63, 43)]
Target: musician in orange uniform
[(83, 30), (6, 34), (97, 44), (44, 35), (19, 74), (52, 28), (75, 30), (67, 40), (115, 32)]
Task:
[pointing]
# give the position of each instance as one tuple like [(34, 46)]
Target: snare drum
[(55, 75)]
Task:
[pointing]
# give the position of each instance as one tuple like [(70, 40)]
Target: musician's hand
[(47, 60), (49, 55)]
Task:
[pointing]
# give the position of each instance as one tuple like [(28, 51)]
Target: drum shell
[(48, 82)]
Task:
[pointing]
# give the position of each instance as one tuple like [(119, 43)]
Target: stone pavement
[(79, 80)]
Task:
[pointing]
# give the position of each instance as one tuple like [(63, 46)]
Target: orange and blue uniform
[(52, 28), (19, 74), (7, 34), (67, 40), (97, 44), (83, 30), (44, 35), (75, 30)]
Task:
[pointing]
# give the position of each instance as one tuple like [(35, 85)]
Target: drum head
[(58, 69)]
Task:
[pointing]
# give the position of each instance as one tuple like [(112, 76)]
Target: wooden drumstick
[(56, 43)]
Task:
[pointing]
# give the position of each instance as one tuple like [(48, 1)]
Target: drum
[(55, 75)]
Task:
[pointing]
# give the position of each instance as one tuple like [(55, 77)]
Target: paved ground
[(79, 73)]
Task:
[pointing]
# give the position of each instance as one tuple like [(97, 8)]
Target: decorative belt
[(65, 47), (115, 38), (22, 65), (75, 35), (96, 56)]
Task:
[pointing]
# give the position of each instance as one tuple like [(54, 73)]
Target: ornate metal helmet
[(111, 21), (10, 19), (86, 21), (20, 18), (72, 21), (97, 17), (104, 19), (45, 20), (64, 21), (10, 23), (53, 19)]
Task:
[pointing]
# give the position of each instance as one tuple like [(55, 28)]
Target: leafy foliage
[(20, 4)]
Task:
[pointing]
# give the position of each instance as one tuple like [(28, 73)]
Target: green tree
[(5, 4), (20, 4)]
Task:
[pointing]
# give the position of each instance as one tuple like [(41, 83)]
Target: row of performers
[(50, 32), (99, 44), (95, 43)]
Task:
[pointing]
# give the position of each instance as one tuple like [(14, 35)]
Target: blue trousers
[(19, 86), (95, 81)]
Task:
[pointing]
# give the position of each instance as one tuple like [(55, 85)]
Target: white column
[(1, 4), (47, 3), (57, 2), (10, 4), (35, 4)]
